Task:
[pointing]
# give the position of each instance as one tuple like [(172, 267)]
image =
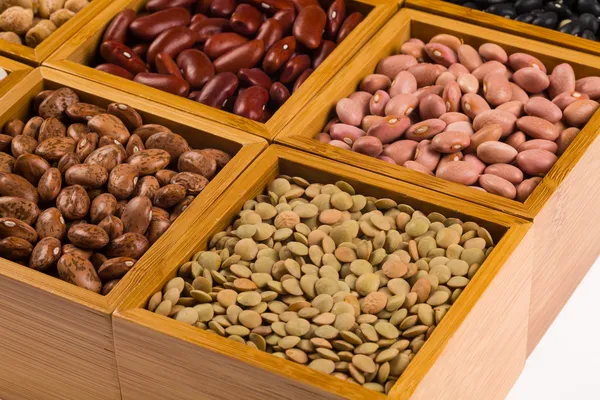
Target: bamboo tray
[(35, 56), (566, 198), (16, 73), (483, 338), (75, 56), (57, 340), (518, 28)]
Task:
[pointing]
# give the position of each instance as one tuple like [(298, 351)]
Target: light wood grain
[(57, 338), (158, 356), (75, 56), (35, 56), (410, 23), (17, 72), (497, 22)]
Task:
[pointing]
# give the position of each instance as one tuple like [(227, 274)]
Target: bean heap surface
[(474, 117), (575, 17), (245, 58), (85, 191), (346, 284), (32, 21)]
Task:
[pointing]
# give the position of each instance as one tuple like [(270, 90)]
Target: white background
[(566, 363)]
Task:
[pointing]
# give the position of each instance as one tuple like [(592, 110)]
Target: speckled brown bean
[(219, 156), (137, 215), (22, 144), (102, 206), (13, 128), (172, 143), (49, 184), (73, 202), (57, 102), (180, 207), (15, 249), (149, 161), (146, 186), (90, 176), (145, 131), (134, 145), (52, 149), (87, 145), (15, 207), (77, 131), (31, 167), (194, 183), (5, 141), (88, 236), (72, 249), (98, 259), (114, 268), (17, 186), (82, 112), (164, 177), (109, 125), (39, 98), (112, 225), (156, 229), (51, 223), (169, 195), (122, 180), (130, 244), (32, 127), (159, 213), (17, 228), (79, 271), (195, 161), (45, 254), (6, 162), (130, 117)]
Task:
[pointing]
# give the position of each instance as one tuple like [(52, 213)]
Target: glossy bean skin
[(335, 17), (309, 25), (278, 93), (218, 89), (294, 68), (270, 32), (221, 43), (167, 83), (251, 103), (245, 20), (117, 29), (278, 54), (150, 26), (116, 70), (206, 28), (171, 41), (348, 25), (166, 65), (121, 55), (196, 67), (244, 56)]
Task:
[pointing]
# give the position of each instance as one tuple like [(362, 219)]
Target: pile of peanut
[(30, 22)]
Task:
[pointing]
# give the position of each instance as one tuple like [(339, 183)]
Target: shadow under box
[(482, 340), (566, 198), (79, 56), (35, 56), (57, 340), (507, 25)]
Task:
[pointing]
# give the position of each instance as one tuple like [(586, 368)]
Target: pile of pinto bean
[(246, 58), (478, 117), (85, 191)]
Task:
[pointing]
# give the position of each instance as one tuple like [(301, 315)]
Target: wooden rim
[(248, 148), (251, 183), (300, 132), (74, 53)]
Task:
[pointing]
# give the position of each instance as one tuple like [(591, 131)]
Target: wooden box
[(57, 340), (482, 341), (565, 199), (81, 51), (16, 72), (35, 56), (507, 25)]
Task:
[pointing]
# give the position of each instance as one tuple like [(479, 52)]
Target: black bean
[(589, 22), (547, 20), (572, 28), (588, 6), (588, 35), (561, 10), (488, 3), (506, 10), (538, 11), (525, 6)]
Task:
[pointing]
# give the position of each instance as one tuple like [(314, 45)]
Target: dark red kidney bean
[(141, 49), (279, 93), (294, 68), (279, 54), (302, 4), (123, 56), (244, 56), (205, 28), (335, 17), (251, 103), (168, 83), (309, 25), (246, 20), (217, 90), (348, 26), (198, 17), (220, 43), (195, 67), (270, 32), (114, 69), (117, 29), (304, 76), (254, 77), (166, 65), (286, 18), (150, 26), (203, 6), (156, 5), (324, 50), (272, 6), (222, 8), (172, 41)]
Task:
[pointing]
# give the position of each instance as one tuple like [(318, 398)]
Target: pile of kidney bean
[(243, 57), (477, 117), (575, 17), (85, 191)]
